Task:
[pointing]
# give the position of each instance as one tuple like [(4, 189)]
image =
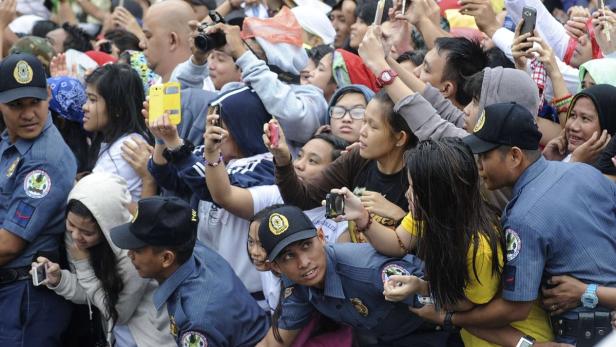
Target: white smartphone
[(39, 274)]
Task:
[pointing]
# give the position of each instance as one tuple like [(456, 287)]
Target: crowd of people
[(337, 173)]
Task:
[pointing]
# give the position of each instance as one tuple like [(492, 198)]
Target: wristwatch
[(386, 78), (181, 152), (526, 341), (589, 298)]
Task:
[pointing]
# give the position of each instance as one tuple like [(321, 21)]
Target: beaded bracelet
[(560, 102), (208, 163), (365, 228)]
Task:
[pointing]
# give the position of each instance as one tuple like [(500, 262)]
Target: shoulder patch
[(23, 214), (391, 270), (514, 244), (37, 184), (193, 339)]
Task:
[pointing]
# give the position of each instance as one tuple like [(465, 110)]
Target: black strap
[(258, 296), (11, 275)]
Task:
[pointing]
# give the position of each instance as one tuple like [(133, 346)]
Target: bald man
[(167, 36)]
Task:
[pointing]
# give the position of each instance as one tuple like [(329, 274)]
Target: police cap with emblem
[(282, 227), (504, 124), (22, 76), (159, 221)]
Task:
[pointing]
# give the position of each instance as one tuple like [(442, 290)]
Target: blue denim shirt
[(35, 179), (560, 221), (208, 303)]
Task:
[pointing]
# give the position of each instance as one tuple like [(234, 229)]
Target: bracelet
[(210, 164), (562, 101), (563, 109), (365, 228), (557, 100)]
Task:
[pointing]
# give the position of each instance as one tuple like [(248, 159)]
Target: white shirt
[(110, 160)]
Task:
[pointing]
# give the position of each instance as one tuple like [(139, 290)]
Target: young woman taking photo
[(375, 168), (100, 273)]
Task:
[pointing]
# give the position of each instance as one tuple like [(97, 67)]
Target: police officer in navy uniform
[(37, 171), (561, 220), (341, 281), (207, 303)]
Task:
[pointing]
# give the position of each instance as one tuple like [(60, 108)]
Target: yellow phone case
[(165, 98)]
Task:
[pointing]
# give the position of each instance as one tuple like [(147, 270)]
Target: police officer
[(37, 171), (207, 303), (342, 281), (560, 221)]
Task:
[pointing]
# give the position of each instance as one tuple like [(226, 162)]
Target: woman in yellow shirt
[(457, 235)]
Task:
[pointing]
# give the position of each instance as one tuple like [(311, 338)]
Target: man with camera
[(270, 68), (37, 171)]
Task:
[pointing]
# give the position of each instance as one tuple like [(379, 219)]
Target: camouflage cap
[(36, 46)]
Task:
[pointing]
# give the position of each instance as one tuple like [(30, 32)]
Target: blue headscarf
[(68, 96)]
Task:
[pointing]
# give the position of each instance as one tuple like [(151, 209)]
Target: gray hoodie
[(431, 116), (107, 198)]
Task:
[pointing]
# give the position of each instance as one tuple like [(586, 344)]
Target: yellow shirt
[(535, 325)]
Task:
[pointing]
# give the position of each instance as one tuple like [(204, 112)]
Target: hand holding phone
[(529, 14), (274, 136), (39, 274), (165, 99)]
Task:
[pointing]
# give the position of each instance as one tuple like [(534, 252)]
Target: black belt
[(588, 329), (8, 276), (258, 296)]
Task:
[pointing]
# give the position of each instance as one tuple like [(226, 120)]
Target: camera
[(207, 42), (39, 274), (334, 205)]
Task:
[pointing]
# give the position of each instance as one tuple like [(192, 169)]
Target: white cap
[(316, 22)]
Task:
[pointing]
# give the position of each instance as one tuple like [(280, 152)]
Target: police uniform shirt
[(35, 179), (208, 305), (561, 221), (353, 294)]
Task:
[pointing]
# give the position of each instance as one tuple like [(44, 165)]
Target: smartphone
[(165, 98), (215, 109), (334, 205), (39, 274), (529, 14), (274, 136), (380, 6)]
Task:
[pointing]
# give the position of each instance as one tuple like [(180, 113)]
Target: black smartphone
[(215, 109), (334, 205), (529, 14)]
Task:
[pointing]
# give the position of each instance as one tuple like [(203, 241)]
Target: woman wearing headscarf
[(598, 71), (591, 122)]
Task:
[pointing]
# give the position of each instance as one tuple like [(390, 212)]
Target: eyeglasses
[(338, 112)]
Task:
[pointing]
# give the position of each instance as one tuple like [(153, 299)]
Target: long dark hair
[(103, 262), (121, 88), (451, 216)]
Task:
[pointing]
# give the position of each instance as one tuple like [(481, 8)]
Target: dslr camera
[(206, 42)]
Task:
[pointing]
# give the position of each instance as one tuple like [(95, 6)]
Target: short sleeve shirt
[(35, 179)]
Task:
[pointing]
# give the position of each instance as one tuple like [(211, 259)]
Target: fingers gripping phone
[(215, 109), (529, 14), (165, 98), (39, 274), (274, 136)]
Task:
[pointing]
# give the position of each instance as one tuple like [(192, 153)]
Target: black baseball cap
[(283, 226), (506, 124), (22, 75), (159, 221)]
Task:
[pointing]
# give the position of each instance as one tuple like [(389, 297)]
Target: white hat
[(316, 22)]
